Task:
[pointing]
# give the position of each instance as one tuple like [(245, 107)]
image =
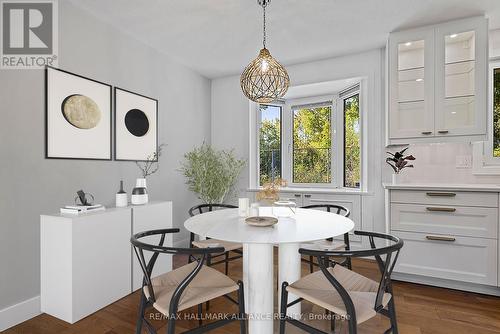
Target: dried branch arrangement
[(271, 190), (398, 161), (151, 164)]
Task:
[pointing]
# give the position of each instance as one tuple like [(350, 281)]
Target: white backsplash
[(436, 163)]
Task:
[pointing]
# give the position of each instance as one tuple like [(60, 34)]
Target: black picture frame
[(116, 120), (46, 81)]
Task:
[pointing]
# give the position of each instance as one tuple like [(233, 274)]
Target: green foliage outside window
[(496, 113), (270, 144), (352, 143), (312, 145)]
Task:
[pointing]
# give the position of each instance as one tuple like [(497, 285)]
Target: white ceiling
[(219, 37)]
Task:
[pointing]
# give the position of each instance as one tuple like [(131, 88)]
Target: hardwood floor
[(420, 310)]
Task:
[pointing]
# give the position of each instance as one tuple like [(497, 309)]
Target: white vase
[(396, 178), (139, 193)]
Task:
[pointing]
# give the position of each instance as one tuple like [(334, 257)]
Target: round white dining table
[(258, 242)]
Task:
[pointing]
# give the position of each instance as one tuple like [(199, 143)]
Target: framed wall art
[(78, 117), (136, 126)]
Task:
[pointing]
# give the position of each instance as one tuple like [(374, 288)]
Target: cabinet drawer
[(461, 258), (456, 220), (434, 197)]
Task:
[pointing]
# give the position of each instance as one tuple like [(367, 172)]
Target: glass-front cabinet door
[(411, 87), (461, 78)]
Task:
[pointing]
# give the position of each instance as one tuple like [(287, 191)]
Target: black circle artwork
[(137, 122)]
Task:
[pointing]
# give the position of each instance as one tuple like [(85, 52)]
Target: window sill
[(338, 191), (479, 165)]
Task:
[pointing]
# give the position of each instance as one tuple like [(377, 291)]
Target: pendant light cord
[(264, 5)]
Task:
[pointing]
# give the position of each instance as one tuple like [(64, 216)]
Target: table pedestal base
[(289, 270), (259, 287)]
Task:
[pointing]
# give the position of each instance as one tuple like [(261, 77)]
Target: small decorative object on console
[(139, 193), (121, 197)]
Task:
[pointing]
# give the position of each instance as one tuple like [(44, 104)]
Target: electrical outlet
[(463, 161)]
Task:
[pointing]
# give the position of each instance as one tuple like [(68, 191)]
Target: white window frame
[(483, 161), (337, 133)]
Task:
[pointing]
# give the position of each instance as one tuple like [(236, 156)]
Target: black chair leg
[(200, 312), (284, 302), (392, 316), (226, 262), (140, 316), (311, 264), (332, 322), (241, 308), (171, 324), (209, 263), (353, 327)]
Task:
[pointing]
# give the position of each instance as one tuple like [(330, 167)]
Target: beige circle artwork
[(81, 111)]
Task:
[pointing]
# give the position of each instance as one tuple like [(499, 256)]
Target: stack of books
[(81, 209)]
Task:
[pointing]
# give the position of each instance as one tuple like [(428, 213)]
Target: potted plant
[(399, 161), (210, 173)]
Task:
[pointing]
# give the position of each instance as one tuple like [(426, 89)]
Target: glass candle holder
[(284, 208)]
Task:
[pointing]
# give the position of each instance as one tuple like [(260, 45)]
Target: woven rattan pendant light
[(264, 79)]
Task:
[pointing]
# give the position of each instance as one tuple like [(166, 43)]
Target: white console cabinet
[(87, 261), (450, 235)]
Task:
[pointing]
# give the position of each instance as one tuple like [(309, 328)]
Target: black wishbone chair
[(184, 287), (345, 292), (228, 246), (329, 244)]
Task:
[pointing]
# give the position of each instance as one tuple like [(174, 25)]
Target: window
[(312, 145), (496, 112), (352, 142), (311, 142), (269, 143)]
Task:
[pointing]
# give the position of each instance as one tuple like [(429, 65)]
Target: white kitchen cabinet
[(411, 73), (450, 235), (464, 259), (438, 82)]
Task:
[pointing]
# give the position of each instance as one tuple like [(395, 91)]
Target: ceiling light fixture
[(408, 43), (264, 79), (419, 80), (453, 35)]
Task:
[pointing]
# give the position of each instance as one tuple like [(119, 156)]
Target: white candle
[(254, 210), (243, 206)]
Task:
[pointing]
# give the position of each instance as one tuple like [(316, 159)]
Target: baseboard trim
[(20, 312), (448, 284)]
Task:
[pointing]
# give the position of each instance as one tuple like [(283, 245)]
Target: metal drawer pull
[(307, 195), (426, 132), (443, 131), (435, 208), (297, 195), (440, 194), (439, 238)]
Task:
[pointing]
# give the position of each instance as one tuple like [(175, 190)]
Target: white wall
[(230, 117), (32, 185)]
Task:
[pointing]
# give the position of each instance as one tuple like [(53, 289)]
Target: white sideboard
[(87, 261), (450, 232)]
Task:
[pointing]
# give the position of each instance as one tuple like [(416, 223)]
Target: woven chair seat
[(207, 285), (228, 246), (316, 289)]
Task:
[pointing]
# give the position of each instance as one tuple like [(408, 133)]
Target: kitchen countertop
[(444, 186)]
